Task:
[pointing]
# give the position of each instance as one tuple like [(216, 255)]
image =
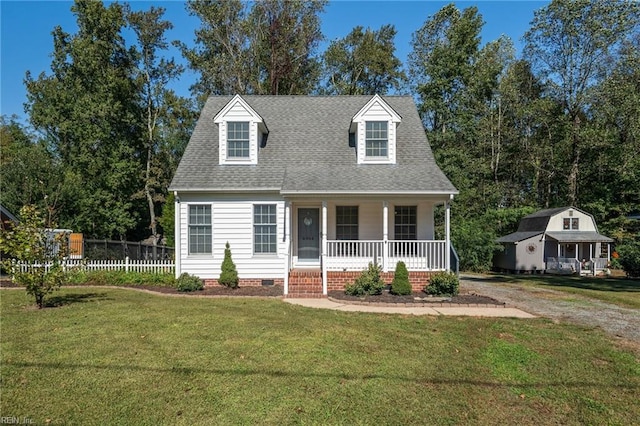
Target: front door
[(309, 234)]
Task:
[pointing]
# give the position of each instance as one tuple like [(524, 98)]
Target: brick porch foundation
[(246, 282), (336, 280)]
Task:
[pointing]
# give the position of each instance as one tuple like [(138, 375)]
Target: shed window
[(570, 223)]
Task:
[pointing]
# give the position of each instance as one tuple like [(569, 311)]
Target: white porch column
[(608, 252), (287, 244), (176, 234), (385, 236), (447, 235), (324, 248)]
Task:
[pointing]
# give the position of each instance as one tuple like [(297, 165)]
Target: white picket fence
[(127, 265)]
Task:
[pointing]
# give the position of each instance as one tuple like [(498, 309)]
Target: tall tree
[(266, 48), (363, 63), (88, 108), (29, 173), (572, 44), (154, 75)]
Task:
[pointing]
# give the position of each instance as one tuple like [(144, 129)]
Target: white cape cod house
[(309, 190)]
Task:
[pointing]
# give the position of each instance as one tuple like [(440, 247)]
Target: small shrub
[(400, 284), (369, 282), (443, 283), (229, 274), (187, 282)]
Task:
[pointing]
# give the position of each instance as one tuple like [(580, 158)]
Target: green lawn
[(116, 356), (619, 291)]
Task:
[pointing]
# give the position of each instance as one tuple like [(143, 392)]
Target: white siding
[(586, 222), (232, 221)]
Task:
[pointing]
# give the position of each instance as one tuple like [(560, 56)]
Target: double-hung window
[(200, 229), (264, 229), (346, 222), (376, 139), (405, 223), (238, 139)]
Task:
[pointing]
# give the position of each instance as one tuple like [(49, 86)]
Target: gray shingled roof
[(579, 237), (308, 151), (517, 237), (539, 220)]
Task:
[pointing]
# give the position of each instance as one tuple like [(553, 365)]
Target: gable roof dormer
[(241, 131), (374, 127)]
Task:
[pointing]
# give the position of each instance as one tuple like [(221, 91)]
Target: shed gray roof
[(517, 237), (308, 151), (579, 237)]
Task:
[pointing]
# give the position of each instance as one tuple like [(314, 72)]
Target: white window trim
[(198, 255), (248, 140), (253, 230)]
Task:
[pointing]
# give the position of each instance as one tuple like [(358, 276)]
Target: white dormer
[(240, 132), (375, 129)]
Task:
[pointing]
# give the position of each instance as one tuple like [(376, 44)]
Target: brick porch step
[(305, 284)]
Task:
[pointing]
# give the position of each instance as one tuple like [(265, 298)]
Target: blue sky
[(26, 42)]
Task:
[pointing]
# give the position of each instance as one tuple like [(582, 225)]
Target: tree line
[(557, 125)]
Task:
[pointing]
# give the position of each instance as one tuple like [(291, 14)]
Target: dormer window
[(374, 132), (237, 139), (377, 139), (241, 133)]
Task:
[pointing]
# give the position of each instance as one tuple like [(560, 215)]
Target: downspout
[(447, 232)]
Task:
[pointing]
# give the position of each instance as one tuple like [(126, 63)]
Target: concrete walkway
[(488, 311)]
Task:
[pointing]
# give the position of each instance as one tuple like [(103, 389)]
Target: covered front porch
[(331, 241), (584, 253)]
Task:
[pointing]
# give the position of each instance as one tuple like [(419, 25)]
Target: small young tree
[(400, 284), (229, 274), (34, 255)]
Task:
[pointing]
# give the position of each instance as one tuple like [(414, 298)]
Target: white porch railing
[(127, 265), (355, 255), (571, 265)]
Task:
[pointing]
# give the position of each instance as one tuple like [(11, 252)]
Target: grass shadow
[(68, 299)]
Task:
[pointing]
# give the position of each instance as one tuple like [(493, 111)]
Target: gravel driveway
[(559, 306)]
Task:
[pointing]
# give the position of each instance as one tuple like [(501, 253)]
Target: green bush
[(80, 276), (400, 284), (443, 283), (630, 258), (229, 274), (369, 282), (186, 282)]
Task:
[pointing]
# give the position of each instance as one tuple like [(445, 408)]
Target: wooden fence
[(127, 265)]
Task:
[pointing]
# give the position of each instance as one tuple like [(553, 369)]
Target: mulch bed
[(417, 298)]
